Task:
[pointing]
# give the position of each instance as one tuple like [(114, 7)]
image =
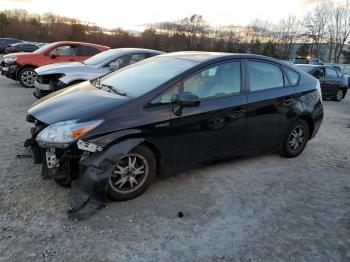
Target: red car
[(20, 66)]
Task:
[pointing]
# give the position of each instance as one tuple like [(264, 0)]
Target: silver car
[(57, 76)]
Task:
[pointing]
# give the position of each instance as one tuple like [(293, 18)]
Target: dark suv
[(6, 42), (334, 84), (168, 114)]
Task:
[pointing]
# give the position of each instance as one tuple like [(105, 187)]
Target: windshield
[(307, 69), (43, 48), (100, 58), (144, 76)]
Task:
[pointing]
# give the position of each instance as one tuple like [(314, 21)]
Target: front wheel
[(27, 77), (296, 139), (339, 96), (133, 174)]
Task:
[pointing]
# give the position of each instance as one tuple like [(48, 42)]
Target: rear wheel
[(133, 174), (339, 96), (27, 77), (296, 139)]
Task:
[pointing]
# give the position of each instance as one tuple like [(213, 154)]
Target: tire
[(119, 187), (339, 96), (26, 77), (289, 149)]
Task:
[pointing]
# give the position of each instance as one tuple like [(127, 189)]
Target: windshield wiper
[(121, 93)]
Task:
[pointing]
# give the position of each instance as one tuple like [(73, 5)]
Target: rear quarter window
[(293, 76)]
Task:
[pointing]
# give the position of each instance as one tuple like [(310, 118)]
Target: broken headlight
[(10, 59), (63, 133)]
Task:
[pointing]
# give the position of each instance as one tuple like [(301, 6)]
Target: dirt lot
[(261, 208)]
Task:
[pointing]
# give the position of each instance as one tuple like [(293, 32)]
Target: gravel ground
[(260, 208)]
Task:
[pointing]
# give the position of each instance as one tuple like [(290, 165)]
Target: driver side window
[(168, 96), (127, 60), (64, 50), (318, 73)]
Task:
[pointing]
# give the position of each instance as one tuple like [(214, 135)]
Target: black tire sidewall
[(286, 150), (20, 77), (152, 163)]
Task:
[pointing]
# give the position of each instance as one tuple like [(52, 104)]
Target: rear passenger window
[(87, 51), (293, 76), (331, 73), (264, 76), (220, 80)]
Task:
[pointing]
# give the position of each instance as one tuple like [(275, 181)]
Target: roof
[(127, 50), (200, 56), (313, 66), (79, 43)]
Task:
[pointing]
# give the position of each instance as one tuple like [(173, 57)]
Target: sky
[(128, 14)]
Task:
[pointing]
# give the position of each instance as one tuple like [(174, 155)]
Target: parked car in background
[(5, 42), (334, 84), (22, 47), (20, 66), (57, 76), (168, 114), (316, 61), (300, 60)]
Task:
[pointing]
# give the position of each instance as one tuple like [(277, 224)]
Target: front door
[(64, 53), (216, 128)]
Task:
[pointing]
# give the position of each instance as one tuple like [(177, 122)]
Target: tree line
[(322, 33)]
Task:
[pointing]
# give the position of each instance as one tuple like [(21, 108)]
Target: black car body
[(178, 111), (21, 47), (6, 42), (334, 84)]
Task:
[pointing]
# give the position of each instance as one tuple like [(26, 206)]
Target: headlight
[(10, 59), (61, 134)]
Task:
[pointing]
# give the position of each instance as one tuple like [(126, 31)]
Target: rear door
[(270, 101), (216, 128)]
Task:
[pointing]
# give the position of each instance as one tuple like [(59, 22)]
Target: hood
[(82, 101), (21, 54), (60, 68)]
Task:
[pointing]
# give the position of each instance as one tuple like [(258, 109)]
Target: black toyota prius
[(168, 114)]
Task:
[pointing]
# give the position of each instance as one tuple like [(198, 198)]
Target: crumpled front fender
[(95, 173)]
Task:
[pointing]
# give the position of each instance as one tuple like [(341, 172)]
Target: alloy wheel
[(129, 174), (297, 138), (339, 95), (28, 78)]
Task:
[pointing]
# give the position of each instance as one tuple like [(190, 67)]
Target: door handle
[(236, 114), (72, 59), (287, 101)]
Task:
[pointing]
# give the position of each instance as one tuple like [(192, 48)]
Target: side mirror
[(114, 65), (188, 99), (54, 54)]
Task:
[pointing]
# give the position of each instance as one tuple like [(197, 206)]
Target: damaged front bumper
[(9, 70), (45, 85), (84, 166)]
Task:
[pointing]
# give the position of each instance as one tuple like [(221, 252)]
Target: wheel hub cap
[(129, 174), (296, 138)]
